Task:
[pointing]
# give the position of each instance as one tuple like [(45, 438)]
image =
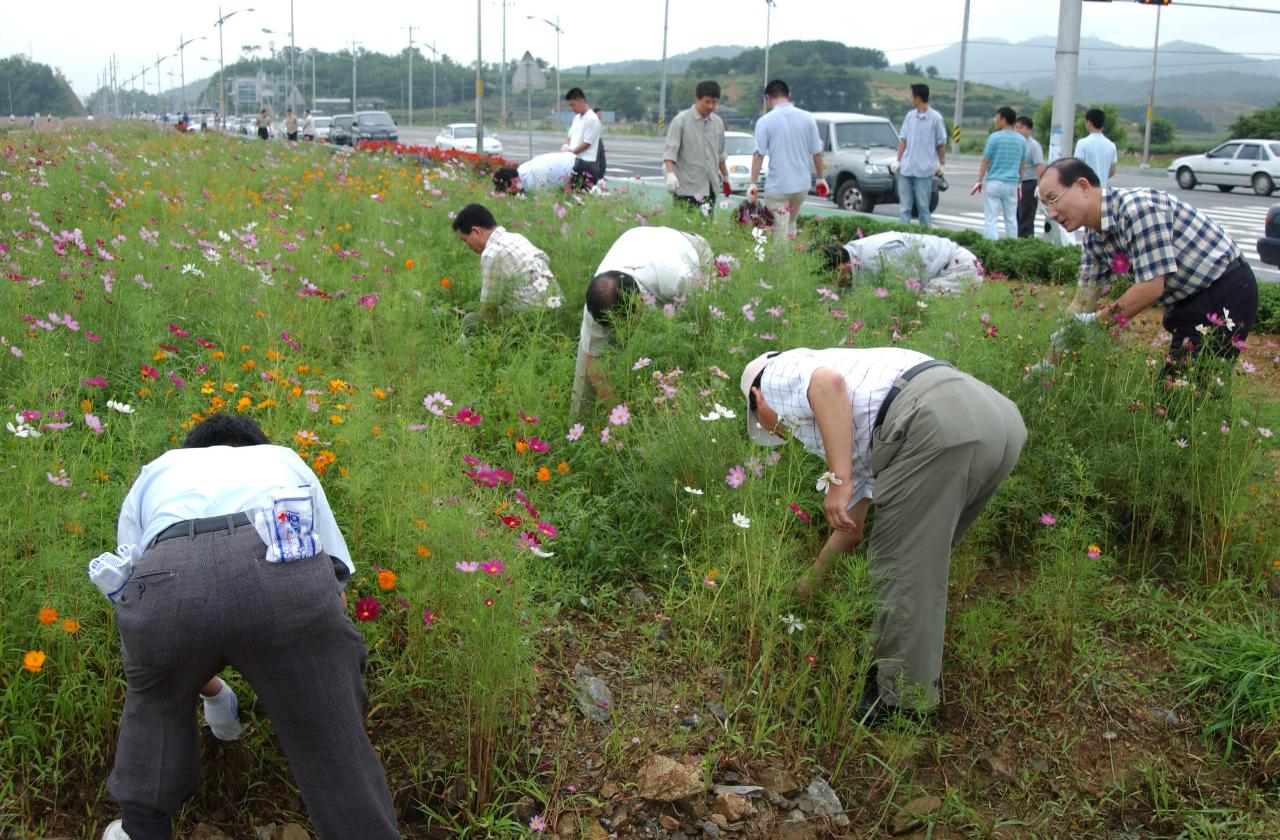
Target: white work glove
[(673, 183), (894, 165), (111, 571), (565, 148), (941, 170), (753, 193)]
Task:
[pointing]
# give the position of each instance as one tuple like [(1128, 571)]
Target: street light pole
[(410, 75), (964, 49), (503, 116), (353, 77), (222, 80), (662, 86), (182, 60), (768, 15), (293, 71), (479, 85), (1151, 96), (559, 32)]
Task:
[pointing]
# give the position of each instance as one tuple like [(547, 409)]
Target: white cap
[(755, 431)]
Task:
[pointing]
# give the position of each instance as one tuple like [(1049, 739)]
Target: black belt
[(900, 383), (191, 527)]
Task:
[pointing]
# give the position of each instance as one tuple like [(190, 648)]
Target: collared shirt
[(1099, 152), (665, 263), (586, 128), (1034, 158), (1005, 149), (187, 484), (695, 144), (553, 169), (924, 133), (789, 137), (1163, 236), (868, 376), (514, 273)]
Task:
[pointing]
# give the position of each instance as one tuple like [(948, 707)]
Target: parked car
[(340, 129), (1235, 163), (374, 125), (1269, 244), (462, 136), (857, 150), (739, 146), (319, 129)]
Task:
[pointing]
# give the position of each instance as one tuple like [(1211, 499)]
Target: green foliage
[(1162, 131), (1263, 124), (1268, 309), (1111, 126), (1182, 118), (35, 88)]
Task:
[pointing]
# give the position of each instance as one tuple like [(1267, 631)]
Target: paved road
[(1241, 213)]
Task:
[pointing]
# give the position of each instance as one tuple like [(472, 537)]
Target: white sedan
[(739, 146), (1236, 163), (462, 136)]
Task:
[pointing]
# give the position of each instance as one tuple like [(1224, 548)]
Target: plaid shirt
[(1163, 236), (514, 273), (868, 376)]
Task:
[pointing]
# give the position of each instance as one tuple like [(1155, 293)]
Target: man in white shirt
[(1095, 148), (922, 152), (241, 564), (928, 445), (514, 274), (584, 135), (554, 170), (789, 137), (646, 265), (939, 265)]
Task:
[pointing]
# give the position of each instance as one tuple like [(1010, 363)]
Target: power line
[(1083, 50)]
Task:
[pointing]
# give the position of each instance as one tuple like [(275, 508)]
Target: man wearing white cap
[(935, 443)]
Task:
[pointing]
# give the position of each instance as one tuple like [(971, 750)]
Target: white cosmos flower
[(693, 491), (793, 624), (123, 408), (741, 521), (825, 481)]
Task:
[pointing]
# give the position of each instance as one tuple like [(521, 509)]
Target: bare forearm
[(1139, 296), (834, 415)]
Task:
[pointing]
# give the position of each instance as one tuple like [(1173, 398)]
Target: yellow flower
[(336, 385), (33, 660), (48, 615)]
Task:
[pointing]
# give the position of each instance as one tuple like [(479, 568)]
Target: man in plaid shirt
[(1179, 258), (514, 274)]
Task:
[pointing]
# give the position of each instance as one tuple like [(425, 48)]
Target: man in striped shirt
[(1179, 258), (514, 274), (928, 445)]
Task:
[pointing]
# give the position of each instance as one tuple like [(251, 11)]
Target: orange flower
[(387, 579), (379, 393), (563, 467), (376, 431), (33, 660), (408, 264), (249, 364), (544, 474), (74, 527), (423, 551), (446, 283), (522, 446), (420, 522), (48, 615), (217, 354), (244, 402), (86, 406), (70, 625)]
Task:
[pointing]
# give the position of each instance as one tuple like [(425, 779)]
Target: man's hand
[(836, 506), (673, 183), (565, 148), (977, 188), (753, 193), (726, 188), (941, 170), (822, 189)]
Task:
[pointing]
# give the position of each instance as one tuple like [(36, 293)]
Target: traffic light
[(1154, 2)]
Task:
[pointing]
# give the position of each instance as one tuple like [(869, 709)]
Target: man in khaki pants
[(789, 137), (935, 443)]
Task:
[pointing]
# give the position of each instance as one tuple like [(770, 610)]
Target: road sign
[(955, 134), (528, 75)]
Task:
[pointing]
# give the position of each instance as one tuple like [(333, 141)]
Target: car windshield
[(374, 119), (468, 130), (739, 145), (864, 134), (321, 122)]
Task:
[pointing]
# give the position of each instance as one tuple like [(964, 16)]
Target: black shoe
[(872, 710)]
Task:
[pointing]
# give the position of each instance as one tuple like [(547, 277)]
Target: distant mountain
[(675, 63)]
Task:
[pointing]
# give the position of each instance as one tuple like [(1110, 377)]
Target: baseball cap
[(755, 431)]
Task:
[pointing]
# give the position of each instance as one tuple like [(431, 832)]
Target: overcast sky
[(79, 36)]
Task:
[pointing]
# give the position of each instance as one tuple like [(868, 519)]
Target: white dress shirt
[(586, 128), (553, 169), (210, 481)]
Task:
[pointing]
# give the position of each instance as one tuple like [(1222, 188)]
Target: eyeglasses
[(1053, 202)]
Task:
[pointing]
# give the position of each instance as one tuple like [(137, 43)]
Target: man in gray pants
[(934, 442), (241, 564)]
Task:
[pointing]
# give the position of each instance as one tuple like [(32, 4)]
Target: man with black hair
[(514, 274), (693, 156), (645, 266), (1096, 148), (584, 135), (1032, 169), (1000, 174), (922, 153), (940, 265), (553, 170), (928, 445), (789, 137), (238, 562), (1179, 258)]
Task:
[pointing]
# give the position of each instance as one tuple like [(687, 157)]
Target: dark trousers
[(1027, 209), (585, 173), (263, 133), (1235, 292), (198, 604), (695, 202)]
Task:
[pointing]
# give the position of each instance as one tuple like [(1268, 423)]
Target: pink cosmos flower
[(528, 418), (1120, 262), (1048, 519), (368, 301), (537, 444), (620, 415), (94, 424), (428, 618), (467, 566), (466, 417), (882, 292), (575, 432), (493, 567), (1093, 552), (796, 509), (736, 476), (96, 382), (367, 609)]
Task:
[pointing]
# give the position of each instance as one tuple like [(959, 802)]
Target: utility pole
[(435, 59), (353, 77), (411, 75), (1063, 124), (768, 13), (559, 32), (1151, 96), (479, 84), (293, 70), (964, 49), (503, 117), (662, 86), (182, 60)]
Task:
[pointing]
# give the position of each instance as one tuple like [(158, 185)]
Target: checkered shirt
[(1163, 236), (868, 376), (514, 273)]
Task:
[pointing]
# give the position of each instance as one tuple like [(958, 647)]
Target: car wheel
[(1225, 188), (1262, 184), (933, 201), (1186, 178), (848, 196)]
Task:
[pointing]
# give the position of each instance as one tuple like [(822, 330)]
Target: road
[(1241, 213)]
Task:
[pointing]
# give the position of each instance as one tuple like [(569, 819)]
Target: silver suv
[(857, 150)]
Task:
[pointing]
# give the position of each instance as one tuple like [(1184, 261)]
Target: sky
[(80, 39)]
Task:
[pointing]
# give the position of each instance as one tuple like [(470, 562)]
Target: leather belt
[(191, 527)]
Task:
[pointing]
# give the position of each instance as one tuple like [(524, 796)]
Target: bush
[(1268, 309), (1020, 259)]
